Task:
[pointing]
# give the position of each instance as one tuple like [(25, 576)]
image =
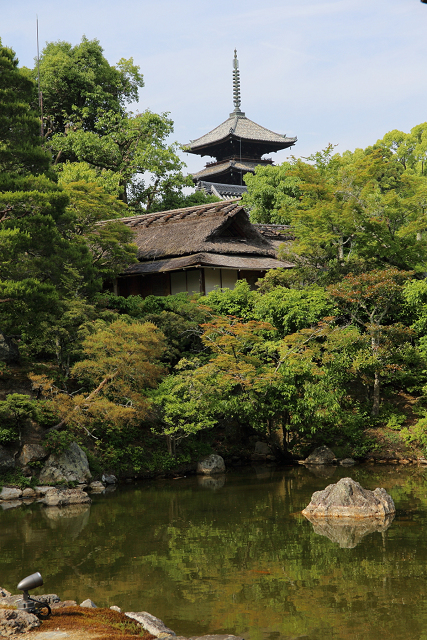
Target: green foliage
[(417, 434), (185, 408), (78, 81), (95, 463), (395, 421), (20, 149), (289, 310), (120, 364), (57, 442), (135, 148), (237, 302), (14, 412), (16, 479), (272, 192)]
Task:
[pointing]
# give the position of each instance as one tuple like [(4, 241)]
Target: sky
[(336, 71)]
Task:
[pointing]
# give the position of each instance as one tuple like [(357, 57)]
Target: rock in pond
[(321, 455), (10, 493), (211, 465), (71, 466), (347, 462), (348, 499), (150, 623), (109, 479), (58, 497), (97, 486)]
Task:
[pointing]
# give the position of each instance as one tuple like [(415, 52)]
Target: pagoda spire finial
[(236, 87)]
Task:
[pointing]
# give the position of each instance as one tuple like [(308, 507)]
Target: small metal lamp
[(30, 582)]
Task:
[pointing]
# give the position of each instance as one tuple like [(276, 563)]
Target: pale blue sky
[(339, 71)]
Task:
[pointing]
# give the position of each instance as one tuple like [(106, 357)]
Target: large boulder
[(71, 466), (13, 622), (347, 499), (32, 453), (7, 461), (9, 351), (321, 455), (10, 493), (211, 465), (63, 497)]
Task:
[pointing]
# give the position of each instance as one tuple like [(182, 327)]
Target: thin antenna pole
[(38, 84)]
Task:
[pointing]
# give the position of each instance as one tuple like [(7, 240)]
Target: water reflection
[(211, 482), (348, 532), (321, 470), (239, 559), (74, 517)]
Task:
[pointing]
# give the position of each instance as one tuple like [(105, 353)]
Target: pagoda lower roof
[(221, 168), (241, 128), (223, 191)]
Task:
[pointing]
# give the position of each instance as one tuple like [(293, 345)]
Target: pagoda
[(237, 145)]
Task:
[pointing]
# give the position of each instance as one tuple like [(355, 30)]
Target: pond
[(234, 555)]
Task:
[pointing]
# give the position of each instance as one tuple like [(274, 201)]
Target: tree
[(135, 148), (120, 364), (185, 406), (20, 149), (90, 202), (367, 300), (272, 190), (78, 82), (15, 410), (347, 211), (410, 149), (38, 263)]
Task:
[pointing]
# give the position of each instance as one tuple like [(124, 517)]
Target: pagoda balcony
[(240, 159)]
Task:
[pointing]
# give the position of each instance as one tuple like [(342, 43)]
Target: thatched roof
[(217, 228), (240, 263)]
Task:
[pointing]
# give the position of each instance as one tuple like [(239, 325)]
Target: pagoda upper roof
[(240, 127)]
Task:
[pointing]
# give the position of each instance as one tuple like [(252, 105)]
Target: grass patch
[(100, 623)]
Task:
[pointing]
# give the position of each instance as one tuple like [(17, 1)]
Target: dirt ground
[(75, 623)]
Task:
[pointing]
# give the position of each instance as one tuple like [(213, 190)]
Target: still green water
[(234, 555)]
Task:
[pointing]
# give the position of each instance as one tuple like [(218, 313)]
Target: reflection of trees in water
[(237, 559)]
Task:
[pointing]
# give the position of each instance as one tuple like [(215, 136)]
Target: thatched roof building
[(199, 248)]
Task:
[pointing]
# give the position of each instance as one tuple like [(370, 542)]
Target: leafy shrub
[(395, 421), (417, 435), (16, 479), (58, 441)]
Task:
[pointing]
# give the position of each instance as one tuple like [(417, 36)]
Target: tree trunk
[(376, 403), (341, 250)]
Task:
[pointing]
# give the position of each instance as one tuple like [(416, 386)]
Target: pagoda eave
[(225, 172), (214, 149)]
